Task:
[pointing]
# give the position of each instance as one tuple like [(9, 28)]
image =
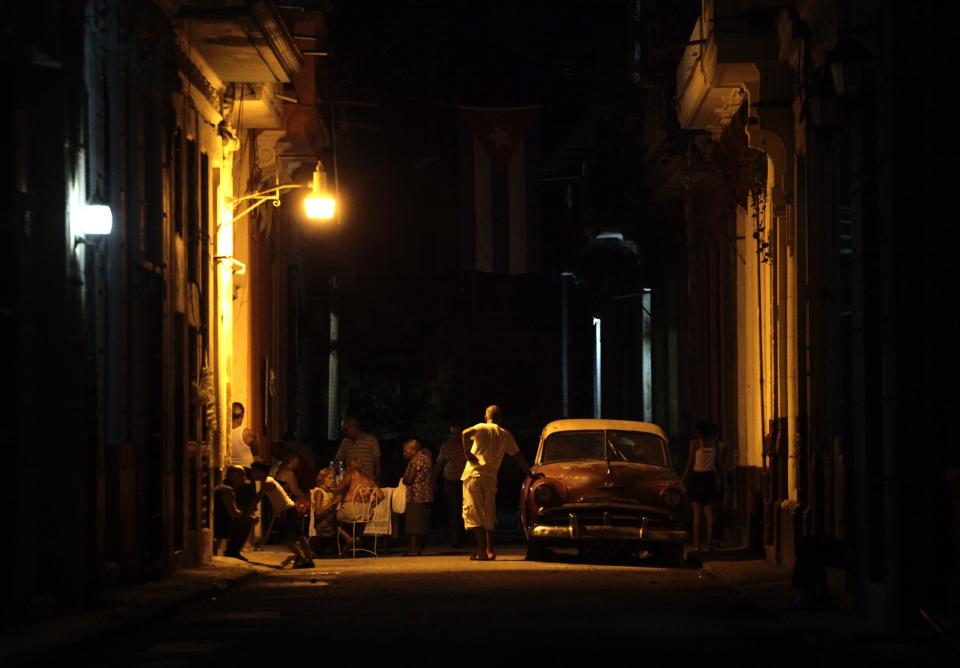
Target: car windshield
[(636, 447)]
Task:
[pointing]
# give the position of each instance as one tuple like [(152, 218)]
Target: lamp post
[(319, 204)]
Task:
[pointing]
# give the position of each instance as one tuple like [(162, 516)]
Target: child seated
[(231, 521)]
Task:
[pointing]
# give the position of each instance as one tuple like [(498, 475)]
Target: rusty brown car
[(604, 484)]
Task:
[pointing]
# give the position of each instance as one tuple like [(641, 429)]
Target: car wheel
[(535, 550)]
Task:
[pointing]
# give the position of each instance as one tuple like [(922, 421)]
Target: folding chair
[(365, 516)]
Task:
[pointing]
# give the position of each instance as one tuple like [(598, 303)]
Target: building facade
[(126, 346), (821, 293)]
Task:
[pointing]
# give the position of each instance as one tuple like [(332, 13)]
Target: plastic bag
[(399, 499)]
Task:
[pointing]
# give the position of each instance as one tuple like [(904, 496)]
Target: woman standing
[(419, 482), (706, 459)]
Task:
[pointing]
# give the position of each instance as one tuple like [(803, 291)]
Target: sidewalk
[(768, 586), (127, 606)]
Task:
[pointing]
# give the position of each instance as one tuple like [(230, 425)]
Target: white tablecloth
[(382, 523)]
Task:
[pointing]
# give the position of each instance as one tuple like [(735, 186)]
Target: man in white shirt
[(490, 442), (243, 450), (243, 442)]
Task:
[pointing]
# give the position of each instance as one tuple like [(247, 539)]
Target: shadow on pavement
[(607, 558)]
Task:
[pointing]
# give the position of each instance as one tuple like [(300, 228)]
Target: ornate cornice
[(195, 76), (278, 37)]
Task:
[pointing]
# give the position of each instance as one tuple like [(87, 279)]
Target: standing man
[(490, 443), (450, 463), (243, 450), (243, 442), (357, 444)]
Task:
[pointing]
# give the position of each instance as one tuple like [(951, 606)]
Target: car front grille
[(596, 517)]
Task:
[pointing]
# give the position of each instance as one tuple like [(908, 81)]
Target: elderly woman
[(325, 504), (419, 482)]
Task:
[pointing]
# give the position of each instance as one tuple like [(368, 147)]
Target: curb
[(46, 640)]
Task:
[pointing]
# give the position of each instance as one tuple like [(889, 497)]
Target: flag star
[(500, 137)]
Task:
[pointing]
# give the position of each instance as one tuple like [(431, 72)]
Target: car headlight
[(545, 495), (671, 496)]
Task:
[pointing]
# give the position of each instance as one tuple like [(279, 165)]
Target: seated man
[(355, 489), (325, 504), (231, 522), (285, 511)]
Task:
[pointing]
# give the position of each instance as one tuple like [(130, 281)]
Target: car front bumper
[(575, 531)]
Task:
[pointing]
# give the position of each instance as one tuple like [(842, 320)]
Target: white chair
[(362, 518)]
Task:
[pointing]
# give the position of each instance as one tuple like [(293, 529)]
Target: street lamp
[(92, 221), (319, 204), (96, 217)]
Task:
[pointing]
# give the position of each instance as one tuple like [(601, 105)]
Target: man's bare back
[(353, 481)]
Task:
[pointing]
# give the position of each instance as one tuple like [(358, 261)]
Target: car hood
[(585, 481)]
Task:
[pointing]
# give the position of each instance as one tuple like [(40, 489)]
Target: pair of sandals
[(485, 557)]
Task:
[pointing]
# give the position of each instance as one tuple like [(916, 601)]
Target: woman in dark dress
[(701, 477), (419, 481)]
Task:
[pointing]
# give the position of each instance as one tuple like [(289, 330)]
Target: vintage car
[(604, 484)]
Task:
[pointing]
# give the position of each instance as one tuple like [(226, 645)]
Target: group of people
[(236, 502), (468, 463)]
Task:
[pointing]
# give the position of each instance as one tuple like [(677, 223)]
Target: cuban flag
[(499, 152)]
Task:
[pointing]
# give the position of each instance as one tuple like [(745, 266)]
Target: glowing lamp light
[(320, 207), (319, 204), (96, 219)]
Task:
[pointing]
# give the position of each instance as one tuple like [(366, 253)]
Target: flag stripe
[(483, 207), (534, 222), (468, 227), (501, 218), (517, 177), (500, 190)]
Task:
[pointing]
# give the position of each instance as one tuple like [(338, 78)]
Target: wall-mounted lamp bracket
[(235, 265), (82, 240)]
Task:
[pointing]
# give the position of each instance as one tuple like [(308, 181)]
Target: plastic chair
[(365, 516)]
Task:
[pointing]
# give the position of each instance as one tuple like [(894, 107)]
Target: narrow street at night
[(428, 332), (411, 611)]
